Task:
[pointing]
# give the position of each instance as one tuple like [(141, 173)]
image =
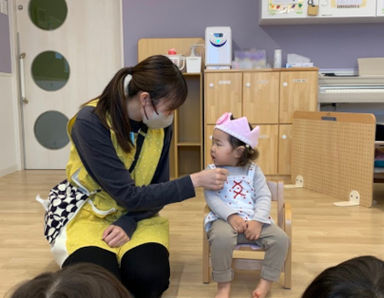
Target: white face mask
[(158, 120)]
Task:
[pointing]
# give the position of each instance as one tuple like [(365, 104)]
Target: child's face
[(222, 153)]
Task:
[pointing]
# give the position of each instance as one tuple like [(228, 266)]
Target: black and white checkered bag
[(63, 202)]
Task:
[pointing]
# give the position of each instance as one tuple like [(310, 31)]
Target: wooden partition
[(334, 153)]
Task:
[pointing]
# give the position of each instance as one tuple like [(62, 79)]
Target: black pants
[(144, 269)]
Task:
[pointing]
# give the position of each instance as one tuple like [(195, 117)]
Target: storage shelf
[(321, 20), (192, 74), (185, 154), (189, 144)]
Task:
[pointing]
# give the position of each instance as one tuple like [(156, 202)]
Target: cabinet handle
[(211, 85), (225, 82), (285, 84), (264, 137), (248, 84), (284, 136)]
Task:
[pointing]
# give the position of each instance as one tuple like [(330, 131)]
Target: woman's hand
[(212, 179), (237, 223), (253, 230), (115, 236)]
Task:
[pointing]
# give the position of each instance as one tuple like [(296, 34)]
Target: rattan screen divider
[(334, 153)]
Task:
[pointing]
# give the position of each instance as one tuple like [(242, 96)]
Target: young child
[(240, 212)]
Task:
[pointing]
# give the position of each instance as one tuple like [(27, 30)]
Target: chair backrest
[(277, 194)]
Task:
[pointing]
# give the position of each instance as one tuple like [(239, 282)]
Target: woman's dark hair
[(248, 153), (156, 75), (361, 277), (82, 280)]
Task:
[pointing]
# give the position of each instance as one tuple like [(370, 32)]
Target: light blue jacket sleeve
[(262, 198)]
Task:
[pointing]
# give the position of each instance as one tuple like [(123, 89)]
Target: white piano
[(352, 89)]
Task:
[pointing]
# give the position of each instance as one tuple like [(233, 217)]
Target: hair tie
[(127, 79)]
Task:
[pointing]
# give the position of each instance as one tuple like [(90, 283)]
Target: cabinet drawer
[(267, 147), (261, 97), (207, 144), (285, 143), (298, 92), (223, 93)]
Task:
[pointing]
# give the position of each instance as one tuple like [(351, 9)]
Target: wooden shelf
[(186, 155), (189, 144), (194, 74)]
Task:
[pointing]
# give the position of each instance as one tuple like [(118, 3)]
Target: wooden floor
[(323, 235)]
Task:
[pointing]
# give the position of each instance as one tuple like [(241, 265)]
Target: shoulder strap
[(251, 171), (139, 144)]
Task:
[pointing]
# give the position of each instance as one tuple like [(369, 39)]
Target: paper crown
[(239, 128)]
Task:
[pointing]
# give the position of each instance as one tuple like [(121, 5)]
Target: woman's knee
[(145, 270)]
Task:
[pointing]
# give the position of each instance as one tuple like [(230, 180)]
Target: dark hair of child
[(249, 153), (360, 277), (81, 280)]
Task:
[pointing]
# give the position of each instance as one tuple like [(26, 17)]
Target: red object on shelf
[(172, 51)]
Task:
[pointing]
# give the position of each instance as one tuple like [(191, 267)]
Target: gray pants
[(223, 239)]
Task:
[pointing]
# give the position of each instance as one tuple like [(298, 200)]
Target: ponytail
[(156, 75), (114, 102)]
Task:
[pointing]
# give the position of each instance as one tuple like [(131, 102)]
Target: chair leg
[(206, 277), (288, 269)]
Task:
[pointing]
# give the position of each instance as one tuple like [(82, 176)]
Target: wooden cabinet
[(284, 149), (298, 92), (224, 91), (267, 98), (261, 97)]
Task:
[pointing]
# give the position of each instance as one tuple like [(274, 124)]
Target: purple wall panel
[(5, 47), (328, 46)]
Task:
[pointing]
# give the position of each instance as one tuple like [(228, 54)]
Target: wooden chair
[(249, 257)]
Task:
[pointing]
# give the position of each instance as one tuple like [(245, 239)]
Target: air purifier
[(218, 47)]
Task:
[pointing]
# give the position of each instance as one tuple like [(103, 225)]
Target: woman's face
[(157, 116), (160, 108)]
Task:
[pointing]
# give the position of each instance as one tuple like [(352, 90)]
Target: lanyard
[(139, 144)]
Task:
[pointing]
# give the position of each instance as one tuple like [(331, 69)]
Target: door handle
[(22, 78)]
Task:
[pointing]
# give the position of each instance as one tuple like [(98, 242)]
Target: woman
[(118, 172)]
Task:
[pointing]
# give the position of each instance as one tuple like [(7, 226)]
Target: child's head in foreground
[(234, 141), (360, 277), (81, 280)]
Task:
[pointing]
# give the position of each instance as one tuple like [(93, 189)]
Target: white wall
[(9, 128), (10, 155)]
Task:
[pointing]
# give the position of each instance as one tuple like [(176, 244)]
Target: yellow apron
[(101, 210)]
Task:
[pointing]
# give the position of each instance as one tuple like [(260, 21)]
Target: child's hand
[(115, 236), (237, 223), (253, 230)]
